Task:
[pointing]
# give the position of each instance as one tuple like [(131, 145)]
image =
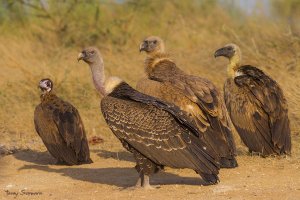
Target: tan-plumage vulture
[(156, 132), (196, 97), (59, 125), (256, 105)]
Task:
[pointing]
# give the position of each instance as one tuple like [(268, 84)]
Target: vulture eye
[(92, 52), (155, 41)]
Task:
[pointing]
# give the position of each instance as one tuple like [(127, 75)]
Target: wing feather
[(198, 98), (170, 146), (70, 126), (265, 110), (59, 125)]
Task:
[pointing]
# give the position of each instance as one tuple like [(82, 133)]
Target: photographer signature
[(22, 193)]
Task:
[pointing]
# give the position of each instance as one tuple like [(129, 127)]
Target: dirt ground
[(32, 174)]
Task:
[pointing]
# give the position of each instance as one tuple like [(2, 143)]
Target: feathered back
[(265, 108), (158, 130), (59, 125), (195, 96)]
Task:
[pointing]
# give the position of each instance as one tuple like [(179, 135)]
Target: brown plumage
[(60, 127), (196, 96), (157, 133), (257, 106)]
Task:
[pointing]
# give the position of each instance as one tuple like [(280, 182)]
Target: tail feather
[(210, 179), (228, 162), (88, 161)]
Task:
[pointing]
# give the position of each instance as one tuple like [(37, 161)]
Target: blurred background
[(42, 38)]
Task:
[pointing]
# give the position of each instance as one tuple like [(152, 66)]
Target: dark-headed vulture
[(59, 125), (195, 96), (256, 105), (157, 133)]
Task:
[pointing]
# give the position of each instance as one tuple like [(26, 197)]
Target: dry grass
[(26, 58)]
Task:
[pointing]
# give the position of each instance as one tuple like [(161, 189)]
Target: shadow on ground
[(121, 155), (36, 157), (120, 176)]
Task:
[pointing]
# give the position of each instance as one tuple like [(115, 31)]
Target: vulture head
[(228, 51), (89, 55), (233, 53), (152, 45), (92, 56), (46, 85)]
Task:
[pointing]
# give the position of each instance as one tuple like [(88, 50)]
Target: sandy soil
[(32, 175)]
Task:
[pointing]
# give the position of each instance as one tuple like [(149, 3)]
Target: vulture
[(157, 133), (197, 97), (60, 127), (257, 106)]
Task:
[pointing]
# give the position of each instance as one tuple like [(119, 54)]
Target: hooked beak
[(80, 56), (222, 52), (143, 46)]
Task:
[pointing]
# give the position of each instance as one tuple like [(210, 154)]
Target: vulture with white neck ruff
[(157, 133), (257, 106), (197, 97)]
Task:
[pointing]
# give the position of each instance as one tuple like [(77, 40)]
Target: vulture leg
[(145, 168), (140, 180), (138, 184), (146, 182)]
